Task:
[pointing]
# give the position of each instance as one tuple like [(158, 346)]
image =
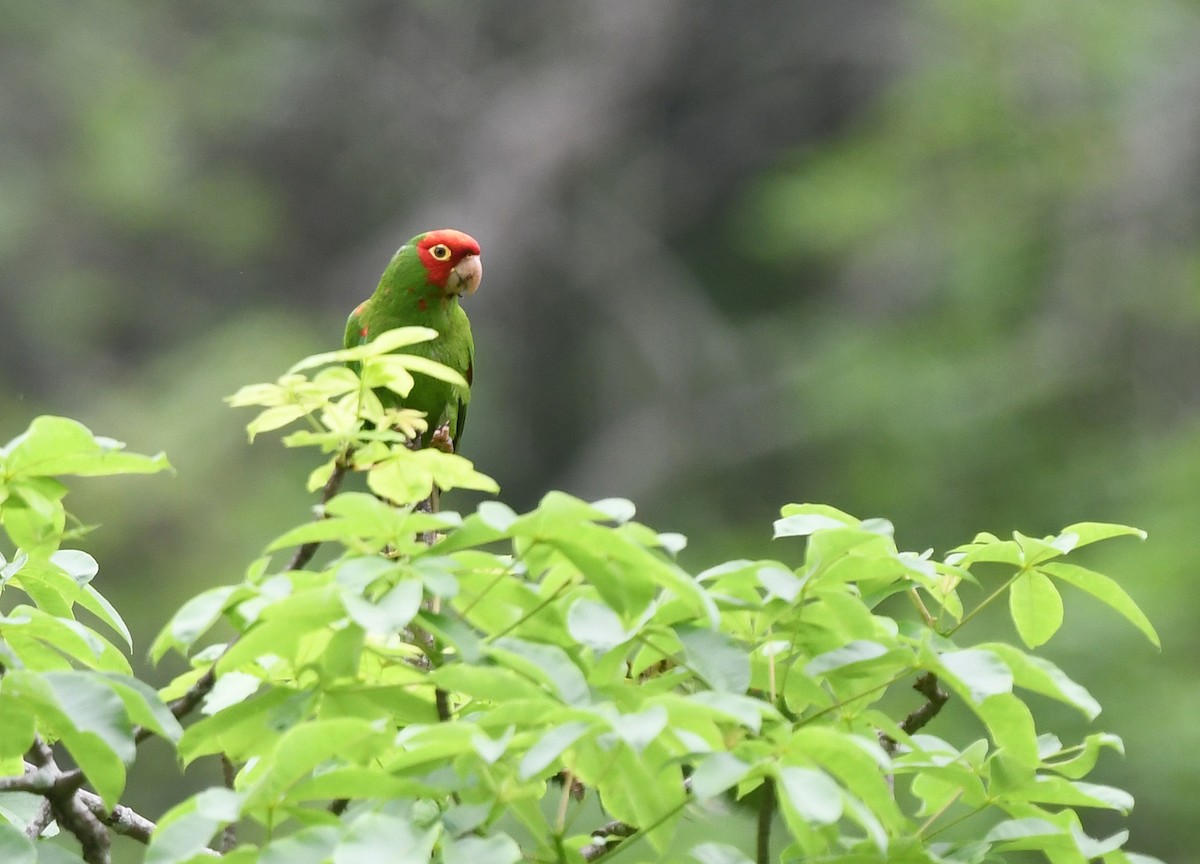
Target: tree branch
[(605, 839), (305, 552), (67, 805), (762, 834), (195, 694), (935, 698)]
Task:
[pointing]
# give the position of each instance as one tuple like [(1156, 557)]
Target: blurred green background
[(931, 260)]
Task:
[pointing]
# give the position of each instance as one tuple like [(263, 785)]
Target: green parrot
[(421, 287)]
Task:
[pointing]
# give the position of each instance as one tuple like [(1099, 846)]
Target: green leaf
[(719, 660), (186, 829), (144, 706), (595, 625), (717, 772), (1105, 590), (1085, 533), (1021, 829), (1011, 726), (545, 662), (858, 651), (1069, 793), (391, 613), (812, 793), (1041, 676), (803, 519), (638, 730), (230, 689), (312, 845), (496, 849), (57, 445), (306, 747), (719, 853), (1036, 607), (88, 716), (549, 747), (980, 673), (1085, 756), (191, 621), (743, 710), (15, 847), (385, 342)]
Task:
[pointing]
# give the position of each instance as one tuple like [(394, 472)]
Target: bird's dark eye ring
[(440, 252)]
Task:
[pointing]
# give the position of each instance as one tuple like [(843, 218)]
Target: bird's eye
[(440, 252)]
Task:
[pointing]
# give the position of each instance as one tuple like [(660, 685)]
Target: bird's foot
[(441, 439)]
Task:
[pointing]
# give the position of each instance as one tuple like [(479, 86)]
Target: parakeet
[(421, 287)]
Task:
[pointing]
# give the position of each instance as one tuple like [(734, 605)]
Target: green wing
[(354, 334)]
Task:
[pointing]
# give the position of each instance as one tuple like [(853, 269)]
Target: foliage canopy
[(547, 686)]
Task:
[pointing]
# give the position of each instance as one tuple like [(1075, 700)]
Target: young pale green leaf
[(595, 625), (549, 747), (719, 853), (803, 519), (57, 445), (98, 605), (1036, 607), (308, 746), (230, 689), (743, 710), (1041, 676), (88, 706), (619, 510), (858, 651), (1085, 755), (978, 672), (191, 621), (494, 849), (859, 763), (246, 728), (386, 342), (1011, 726), (716, 658), (391, 613), (67, 636), (986, 548), (185, 830), (1073, 793), (1022, 829), (489, 683), (144, 706), (430, 368), (717, 772), (1085, 533), (17, 729), (639, 792), (15, 847), (311, 845), (811, 792), (779, 582), (544, 662), (638, 730), (1107, 591)]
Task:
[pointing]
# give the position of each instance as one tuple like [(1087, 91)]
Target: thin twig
[(305, 552), (762, 834), (605, 839), (229, 835), (935, 698)]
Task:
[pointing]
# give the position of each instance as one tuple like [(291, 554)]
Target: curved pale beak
[(465, 275)]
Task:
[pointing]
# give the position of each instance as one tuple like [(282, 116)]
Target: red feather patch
[(459, 244)]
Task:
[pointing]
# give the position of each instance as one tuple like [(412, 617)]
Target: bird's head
[(451, 260)]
